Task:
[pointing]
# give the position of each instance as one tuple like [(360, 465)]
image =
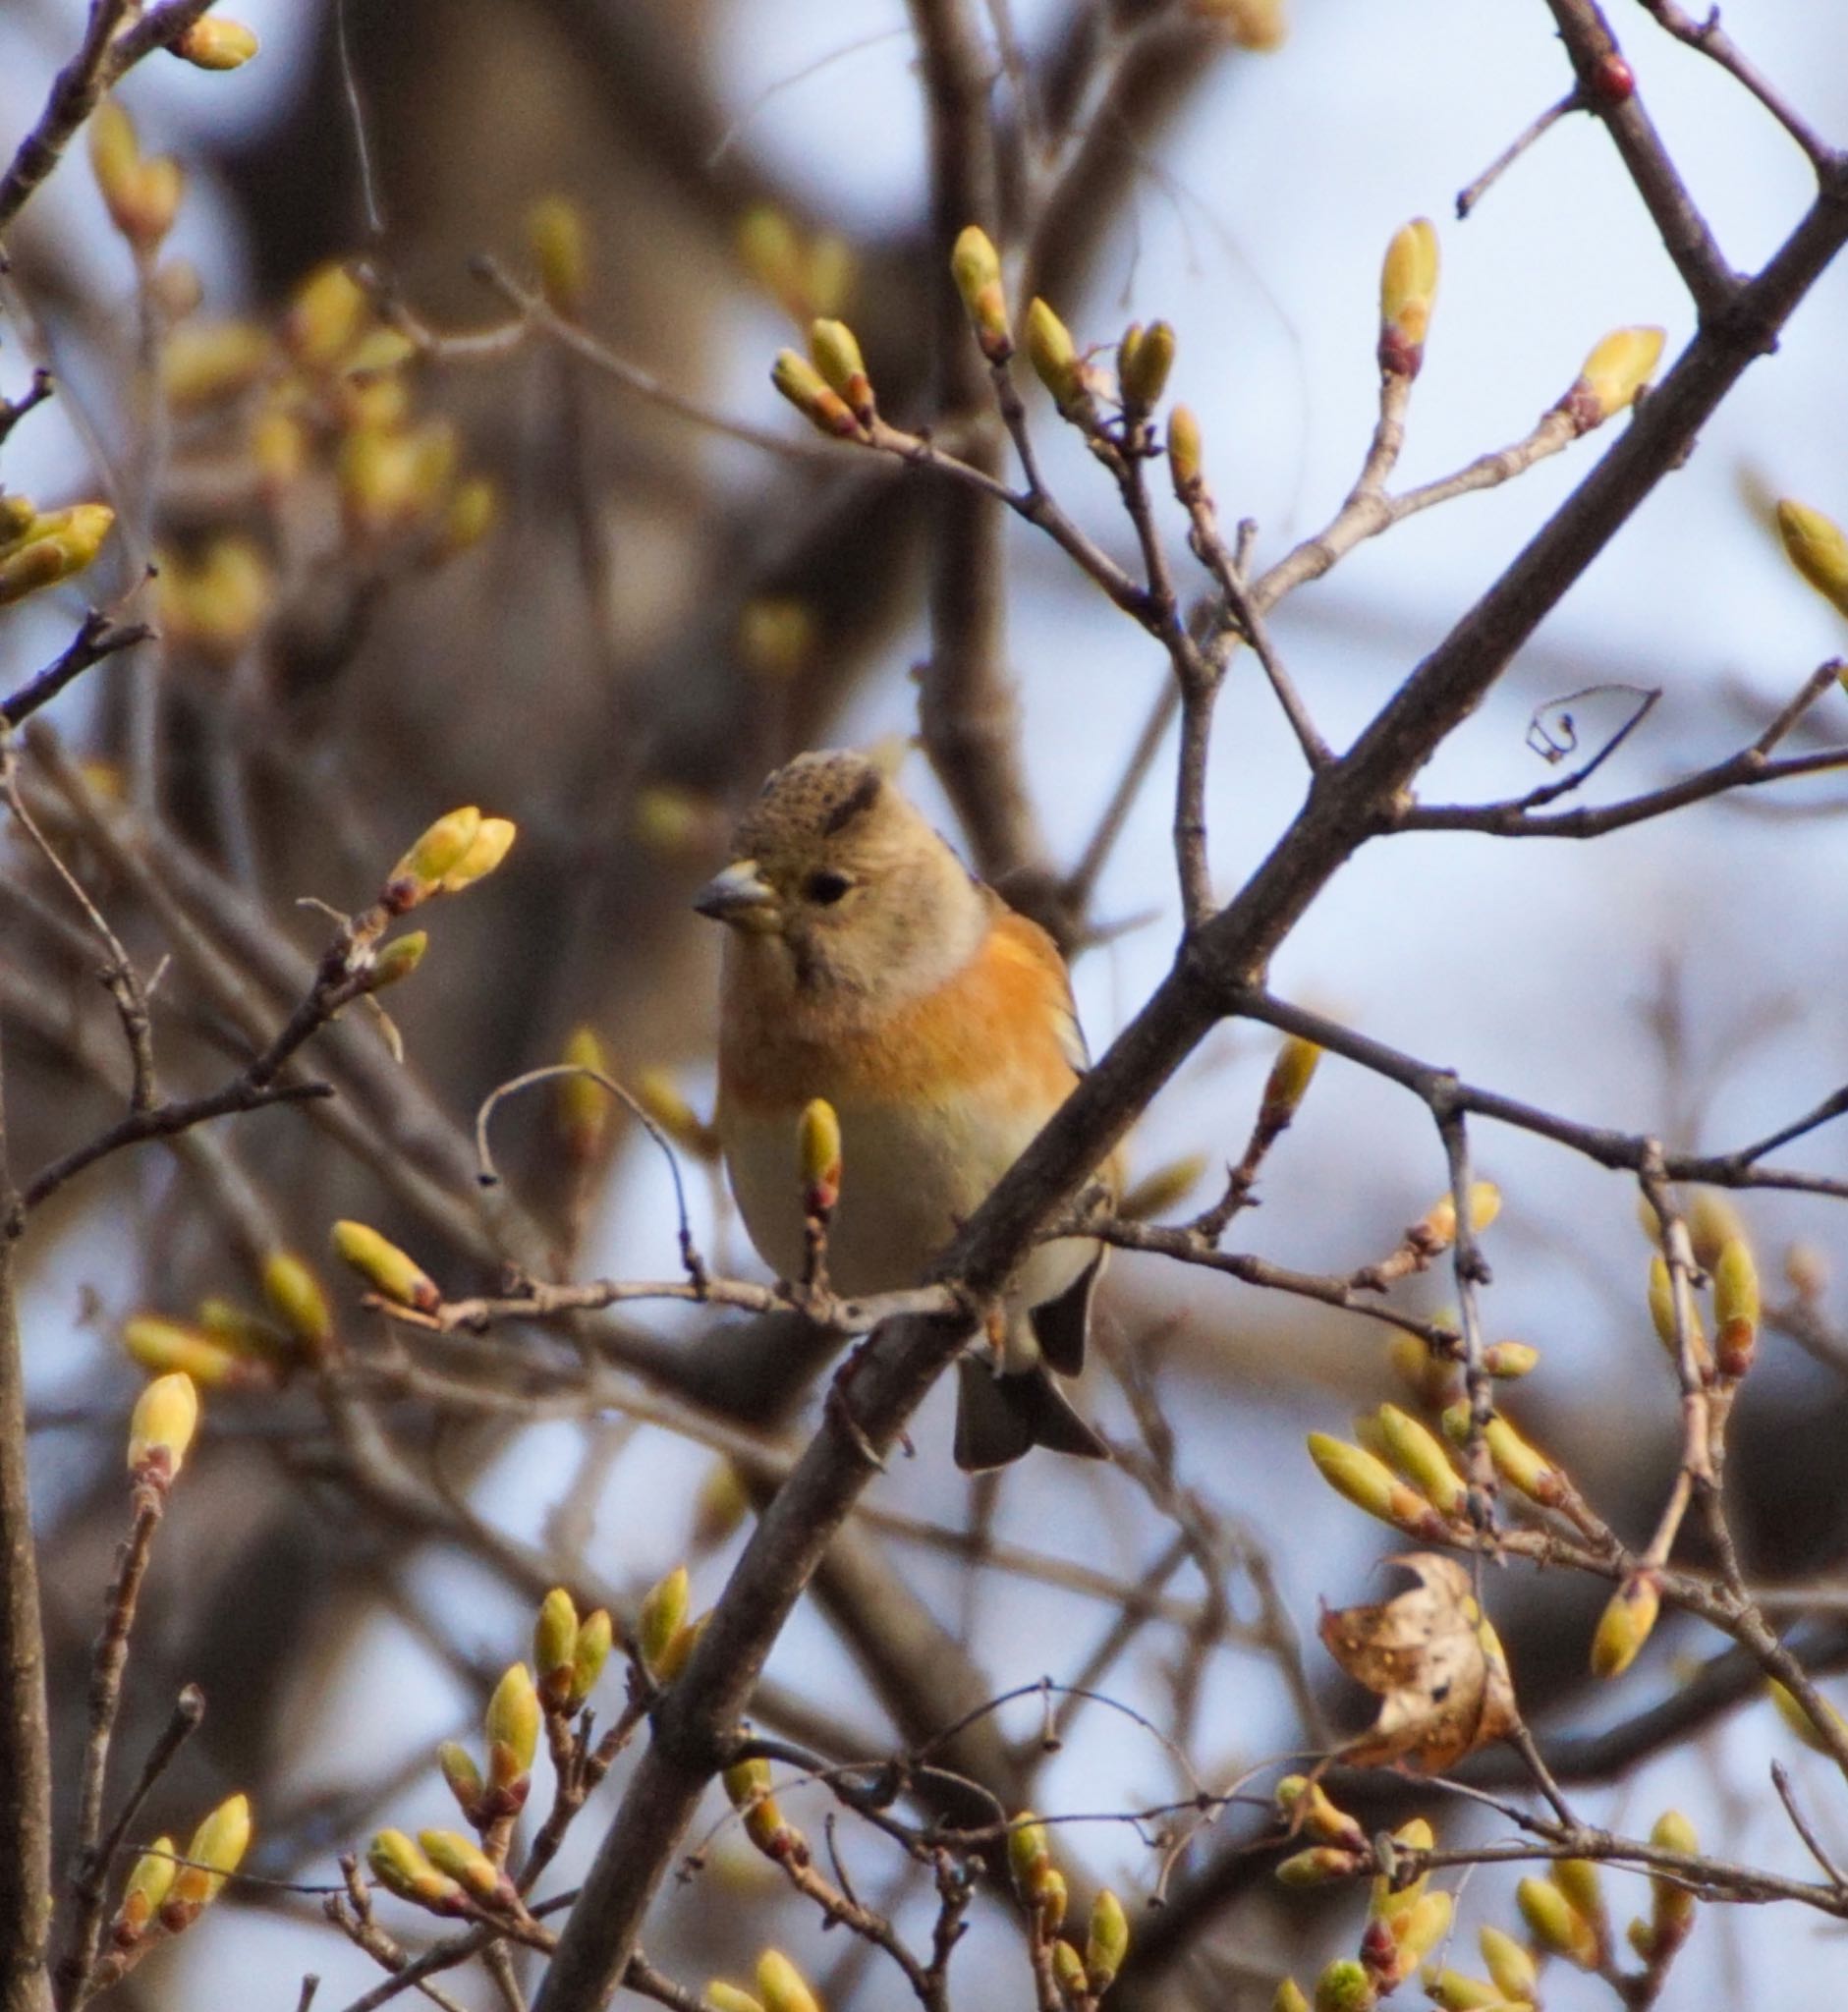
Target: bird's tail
[(1000, 1417)]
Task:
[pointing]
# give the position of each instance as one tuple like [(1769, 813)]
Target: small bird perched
[(865, 964)]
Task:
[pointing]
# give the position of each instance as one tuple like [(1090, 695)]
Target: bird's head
[(839, 881)]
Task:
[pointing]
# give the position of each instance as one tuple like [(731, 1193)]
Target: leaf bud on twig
[(1612, 376), (976, 267), (161, 1429), (1408, 289), (836, 353), (392, 1273), (1626, 1624), (216, 1849), (215, 43), (1817, 548)]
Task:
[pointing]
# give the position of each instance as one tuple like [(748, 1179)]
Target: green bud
[(588, 1653), (1107, 1942)]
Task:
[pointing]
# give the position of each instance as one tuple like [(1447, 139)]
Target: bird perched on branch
[(865, 964)]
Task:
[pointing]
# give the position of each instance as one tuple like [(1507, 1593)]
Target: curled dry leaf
[(1436, 1664)]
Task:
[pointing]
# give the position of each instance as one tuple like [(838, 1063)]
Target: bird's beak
[(740, 896)]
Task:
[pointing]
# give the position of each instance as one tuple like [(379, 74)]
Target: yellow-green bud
[(326, 316), (585, 1110), (512, 1725), (725, 1998), (204, 362), (1143, 360), (663, 1098), (53, 549), (1371, 1485), (588, 1653), (976, 267), (1345, 1986), (1735, 1309), (1612, 375), (1791, 1710), (491, 844), (1408, 288), (392, 1273), (1289, 1997), (1288, 1082), (1455, 1993), (1581, 1881), (1314, 1814), (1420, 1930), (440, 847), (1321, 1865), (1816, 549), (1106, 1942), (818, 1151), (780, 1984), (1028, 1854), (403, 1868), (1417, 1455), (1663, 1309), (1437, 1229), (296, 1299), (468, 515), (215, 43), (1162, 1188), (463, 1778), (166, 1346), (1185, 464), (398, 959), (1068, 1973), (554, 1638), (680, 1647), (149, 1881), (216, 1849), (1509, 1360), (662, 1614), (835, 350), (555, 237), (813, 396), (1673, 1905), (1510, 1963), (1555, 1924), (1055, 358), (161, 1429), (1626, 1624), (465, 1861), (1050, 1900), (721, 1504)]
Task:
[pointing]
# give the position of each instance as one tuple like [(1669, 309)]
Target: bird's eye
[(825, 889)]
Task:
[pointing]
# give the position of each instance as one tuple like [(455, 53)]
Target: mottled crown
[(815, 797)]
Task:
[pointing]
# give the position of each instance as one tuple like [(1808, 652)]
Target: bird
[(863, 962)]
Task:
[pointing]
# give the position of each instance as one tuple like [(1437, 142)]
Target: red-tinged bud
[(1408, 290), (512, 1725), (835, 350), (813, 396), (401, 1868), (976, 267), (1736, 1308), (554, 1638), (216, 1850), (465, 1861), (392, 1273), (166, 1416), (1610, 81), (463, 1778), (149, 1882), (818, 1146), (438, 848), (1612, 376)]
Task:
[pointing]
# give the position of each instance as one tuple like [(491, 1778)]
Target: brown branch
[(98, 638), (1606, 81), (1712, 41), (104, 56), (24, 1712), (698, 1716), (968, 712)]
